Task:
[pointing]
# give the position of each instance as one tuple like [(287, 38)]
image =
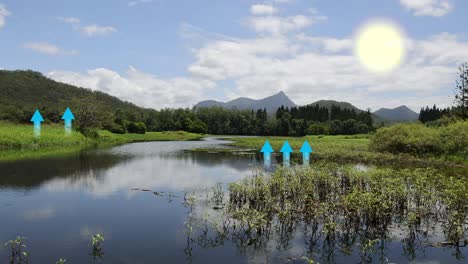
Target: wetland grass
[(341, 209)]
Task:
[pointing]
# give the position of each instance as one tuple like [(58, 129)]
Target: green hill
[(21, 92)]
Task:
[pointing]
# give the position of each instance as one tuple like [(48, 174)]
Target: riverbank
[(18, 141), (352, 148)]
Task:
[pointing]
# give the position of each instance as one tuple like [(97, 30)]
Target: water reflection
[(138, 197), (30, 174)]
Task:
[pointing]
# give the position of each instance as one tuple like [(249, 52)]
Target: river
[(134, 196)]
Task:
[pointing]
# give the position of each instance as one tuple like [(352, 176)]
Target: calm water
[(134, 196)]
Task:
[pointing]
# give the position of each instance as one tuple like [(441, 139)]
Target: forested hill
[(21, 92)]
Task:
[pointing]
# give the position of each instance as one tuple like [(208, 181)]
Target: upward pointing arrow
[(267, 150), (305, 150), (37, 120), (286, 150), (68, 117)]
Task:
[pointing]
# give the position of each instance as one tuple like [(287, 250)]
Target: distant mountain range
[(401, 113), (272, 103)]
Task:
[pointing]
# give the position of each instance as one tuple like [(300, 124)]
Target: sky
[(174, 53)]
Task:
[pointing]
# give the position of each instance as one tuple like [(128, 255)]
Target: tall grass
[(21, 137), (18, 141)]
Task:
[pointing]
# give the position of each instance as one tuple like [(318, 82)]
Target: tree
[(86, 114), (199, 127), (137, 128), (461, 90)]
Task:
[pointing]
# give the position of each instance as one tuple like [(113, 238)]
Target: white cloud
[(96, 30), (436, 8), (48, 49), (69, 20), (276, 25), (279, 25), (263, 9), (306, 67), (3, 14), (138, 2), (138, 87), (310, 68), (89, 30)]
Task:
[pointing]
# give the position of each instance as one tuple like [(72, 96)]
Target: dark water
[(134, 196)]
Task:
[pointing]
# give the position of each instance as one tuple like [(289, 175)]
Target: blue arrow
[(37, 120), (267, 150), (286, 150), (305, 150), (68, 117)]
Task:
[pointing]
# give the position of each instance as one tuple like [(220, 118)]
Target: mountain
[(401, 113), (21, 92), (271, 103)]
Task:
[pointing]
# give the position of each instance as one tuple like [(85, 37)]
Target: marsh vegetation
[(338, 210)]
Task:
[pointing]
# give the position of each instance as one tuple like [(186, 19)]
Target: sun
[(379, 46)]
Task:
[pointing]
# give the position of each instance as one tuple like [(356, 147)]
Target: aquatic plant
[(340, 207), (18, 254), (96, 246)]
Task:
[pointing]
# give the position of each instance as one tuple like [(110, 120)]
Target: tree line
[(460, 108)]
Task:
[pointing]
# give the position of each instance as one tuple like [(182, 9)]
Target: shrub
[(318, 129), (455, 138), (137, 128), (115, 128), (199, 127), (408, 138)]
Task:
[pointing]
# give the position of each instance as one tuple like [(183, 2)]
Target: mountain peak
[(270, 103), (400, 113)]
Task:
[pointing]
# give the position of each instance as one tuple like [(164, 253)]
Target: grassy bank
[(18, 141), (355, 148)]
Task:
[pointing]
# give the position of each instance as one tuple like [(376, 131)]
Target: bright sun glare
[(379, 46)]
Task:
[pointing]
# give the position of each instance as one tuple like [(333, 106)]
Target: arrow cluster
[(37, 120), (286, 149)]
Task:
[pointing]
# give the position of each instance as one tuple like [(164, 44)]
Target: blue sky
[(172, 53)]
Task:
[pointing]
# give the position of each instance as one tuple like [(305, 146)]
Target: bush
[(408, 138), (115, 128), (455, 138), (199, 127), (137, 128), (318, 129)]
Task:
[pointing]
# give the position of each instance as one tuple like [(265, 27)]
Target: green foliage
[(455, 138), (421, 140), (340, 203), (96, 246), (86, 113), (61, 261), (18, 141), (24, 91), (407, 138), (199, 127), (137, 128), (318, 129), (17, 250)]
